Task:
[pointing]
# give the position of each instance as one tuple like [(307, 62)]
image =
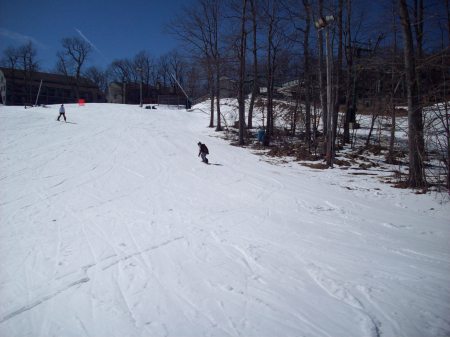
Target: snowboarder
[(203, 151), (62, 112)]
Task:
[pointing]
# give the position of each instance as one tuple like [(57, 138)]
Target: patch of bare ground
[(318, 166), (296, 151), (366, 160)]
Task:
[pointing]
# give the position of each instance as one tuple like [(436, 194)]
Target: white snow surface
[(112, 226)]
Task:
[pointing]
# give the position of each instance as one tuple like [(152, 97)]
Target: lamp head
[(322, 22)]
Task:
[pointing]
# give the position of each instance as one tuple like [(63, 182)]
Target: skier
[(203, 151), (62, 112)]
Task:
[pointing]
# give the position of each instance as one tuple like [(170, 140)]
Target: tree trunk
[(350, 109), (329, 142), (321, 76), (418, 26), (447, 4), (391, 156), (255, 66), (307, 74), (416, 177), (219, 122), (212, 109), (337, 86), (270, 81), (242, 59), (211, 93)]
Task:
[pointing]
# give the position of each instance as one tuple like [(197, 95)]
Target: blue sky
[(118, 29), (122, 28)]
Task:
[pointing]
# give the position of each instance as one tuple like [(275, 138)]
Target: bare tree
[(418, 14), (307, 72), (143, 65), (322, 90), (193, 82), (27, 61), (416, 177), (164, 70), (394, 84), (10, 58), (121, 71), (242, 61), (72, 59), (177, 66), (199, 27), (351, 76), (27, 57), (98, 77), (255, 84), (447, 6), (212, 12), (338, 76), (276, 38)]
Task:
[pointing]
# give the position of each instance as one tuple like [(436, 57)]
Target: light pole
[(140, 87), (321, 23)]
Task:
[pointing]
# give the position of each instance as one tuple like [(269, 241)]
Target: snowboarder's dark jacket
[(203, 149)]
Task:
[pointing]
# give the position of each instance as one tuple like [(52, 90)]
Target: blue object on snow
[(261, 134)]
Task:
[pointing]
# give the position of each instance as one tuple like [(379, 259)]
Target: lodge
[(19, 87)]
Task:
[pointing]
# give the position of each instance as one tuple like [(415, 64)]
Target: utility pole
[(321, 23)]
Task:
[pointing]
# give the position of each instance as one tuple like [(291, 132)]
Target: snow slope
[(112, 226)]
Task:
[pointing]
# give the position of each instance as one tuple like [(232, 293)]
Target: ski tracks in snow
[(370, 325), (156, 243), (80, 277)]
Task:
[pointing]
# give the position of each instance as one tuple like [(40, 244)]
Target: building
[(130, 93), (18, 87)]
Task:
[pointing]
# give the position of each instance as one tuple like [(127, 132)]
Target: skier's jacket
[(204, 149)]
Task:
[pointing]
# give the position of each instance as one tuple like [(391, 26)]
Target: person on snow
[(203, 151), (62, 112), (261, 134)]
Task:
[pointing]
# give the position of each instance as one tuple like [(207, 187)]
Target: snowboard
[(66, 122)]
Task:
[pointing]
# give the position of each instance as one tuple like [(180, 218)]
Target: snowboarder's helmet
[(199, 143)]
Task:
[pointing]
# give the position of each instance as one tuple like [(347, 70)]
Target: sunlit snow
[(110, 225)]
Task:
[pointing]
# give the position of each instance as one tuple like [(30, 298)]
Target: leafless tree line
[(22, 58), (141, 68), (396, 55)]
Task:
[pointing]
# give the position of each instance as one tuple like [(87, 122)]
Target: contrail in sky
[(21, 38), (91, 44)]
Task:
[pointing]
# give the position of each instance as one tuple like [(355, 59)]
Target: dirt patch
[(342, 162), (318, 166), (363, 174), (291, 150)]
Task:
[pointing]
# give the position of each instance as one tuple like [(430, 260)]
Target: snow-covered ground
[(111, 226)]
